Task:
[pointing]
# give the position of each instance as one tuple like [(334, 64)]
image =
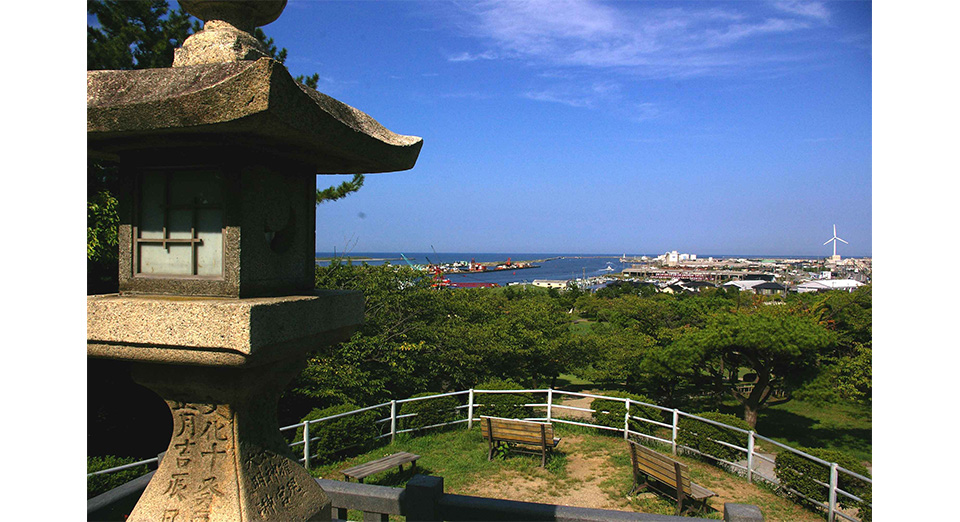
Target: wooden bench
[(675, 475), (376, 466), (519, 434)]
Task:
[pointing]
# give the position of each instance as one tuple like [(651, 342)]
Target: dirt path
[(580, 487), (578, 402)]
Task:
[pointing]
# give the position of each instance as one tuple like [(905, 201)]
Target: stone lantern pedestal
[(217, 308), (220, 364)]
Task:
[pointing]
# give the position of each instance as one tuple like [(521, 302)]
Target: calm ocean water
[(552, 266)]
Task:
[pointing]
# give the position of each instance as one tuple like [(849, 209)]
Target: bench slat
[(382, 464), (528, 433), (699, 492), (662, 469)]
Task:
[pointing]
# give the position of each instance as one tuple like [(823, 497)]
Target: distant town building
[(770, 288), (744, 285), (550, 283), (824, 285)]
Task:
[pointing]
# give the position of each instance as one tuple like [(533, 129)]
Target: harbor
[(593, 271)]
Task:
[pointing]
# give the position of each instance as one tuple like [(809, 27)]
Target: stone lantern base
[(221, 365), (226, 460)]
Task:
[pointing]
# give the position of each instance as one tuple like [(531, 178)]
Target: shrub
[(98, 484), (703, 436), (610, 412), (347, 435), (429, 412), (507, 405), (800, 473)]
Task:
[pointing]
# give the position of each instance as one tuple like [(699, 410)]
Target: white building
[(550, 283), (829, 284)]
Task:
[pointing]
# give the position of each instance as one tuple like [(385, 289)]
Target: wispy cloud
[(608, 96), (806, 9), (690, 40), (472, 95), (468, 57)]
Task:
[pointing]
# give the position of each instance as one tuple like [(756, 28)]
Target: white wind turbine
[(835, 239)]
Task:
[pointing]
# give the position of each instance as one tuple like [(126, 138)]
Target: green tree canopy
[(781, 348)]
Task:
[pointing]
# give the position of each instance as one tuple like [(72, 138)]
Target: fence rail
[(750, 454)]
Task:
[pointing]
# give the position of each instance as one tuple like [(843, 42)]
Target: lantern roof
[(249, 103)]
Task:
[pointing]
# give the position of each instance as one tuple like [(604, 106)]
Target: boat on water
[(460, 267)]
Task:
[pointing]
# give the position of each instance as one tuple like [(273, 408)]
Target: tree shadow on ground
[(396, 478), (804, 431)]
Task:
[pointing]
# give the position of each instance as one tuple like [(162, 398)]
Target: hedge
[(98, 484), (429, 412), (507, 405), (335, 438), (800, 473), (611, 413), (702, 436)]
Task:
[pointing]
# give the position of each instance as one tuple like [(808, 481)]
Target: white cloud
[(467, 57), (808, 9), (638, 38)]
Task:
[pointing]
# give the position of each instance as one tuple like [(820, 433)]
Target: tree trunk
[(750, 414)]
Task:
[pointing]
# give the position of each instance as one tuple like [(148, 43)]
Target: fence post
[(549, 404), (626, 421), (750, 442), (393, 420), (306, 444), (470, 410), (673, 435), (831, 514)]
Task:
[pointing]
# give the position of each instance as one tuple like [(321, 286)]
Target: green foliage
[(134, 35), (865, 513), (782, 348), (703, 436), (336, 438), (800, 473), (342, 190), (430, 412), (102, 227), (850, 315), (506, 405), (611, 413), (855, 374), (98, 484)]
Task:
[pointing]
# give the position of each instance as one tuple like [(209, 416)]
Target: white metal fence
[(549, 407)]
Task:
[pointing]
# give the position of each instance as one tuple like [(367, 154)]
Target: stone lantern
[(217, 308)]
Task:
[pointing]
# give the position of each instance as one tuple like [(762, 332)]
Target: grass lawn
[(587, 469), (842, 427)]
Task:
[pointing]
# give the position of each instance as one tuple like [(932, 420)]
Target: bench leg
[(680, 495), (638, 486)]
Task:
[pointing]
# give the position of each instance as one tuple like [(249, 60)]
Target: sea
[(553, 266)]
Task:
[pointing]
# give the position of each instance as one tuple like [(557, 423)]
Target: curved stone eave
[(257, 100)]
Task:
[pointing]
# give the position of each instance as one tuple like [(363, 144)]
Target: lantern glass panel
[(180, 223)]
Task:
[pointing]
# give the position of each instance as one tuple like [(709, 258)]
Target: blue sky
[(738, 127), (586, 126)]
